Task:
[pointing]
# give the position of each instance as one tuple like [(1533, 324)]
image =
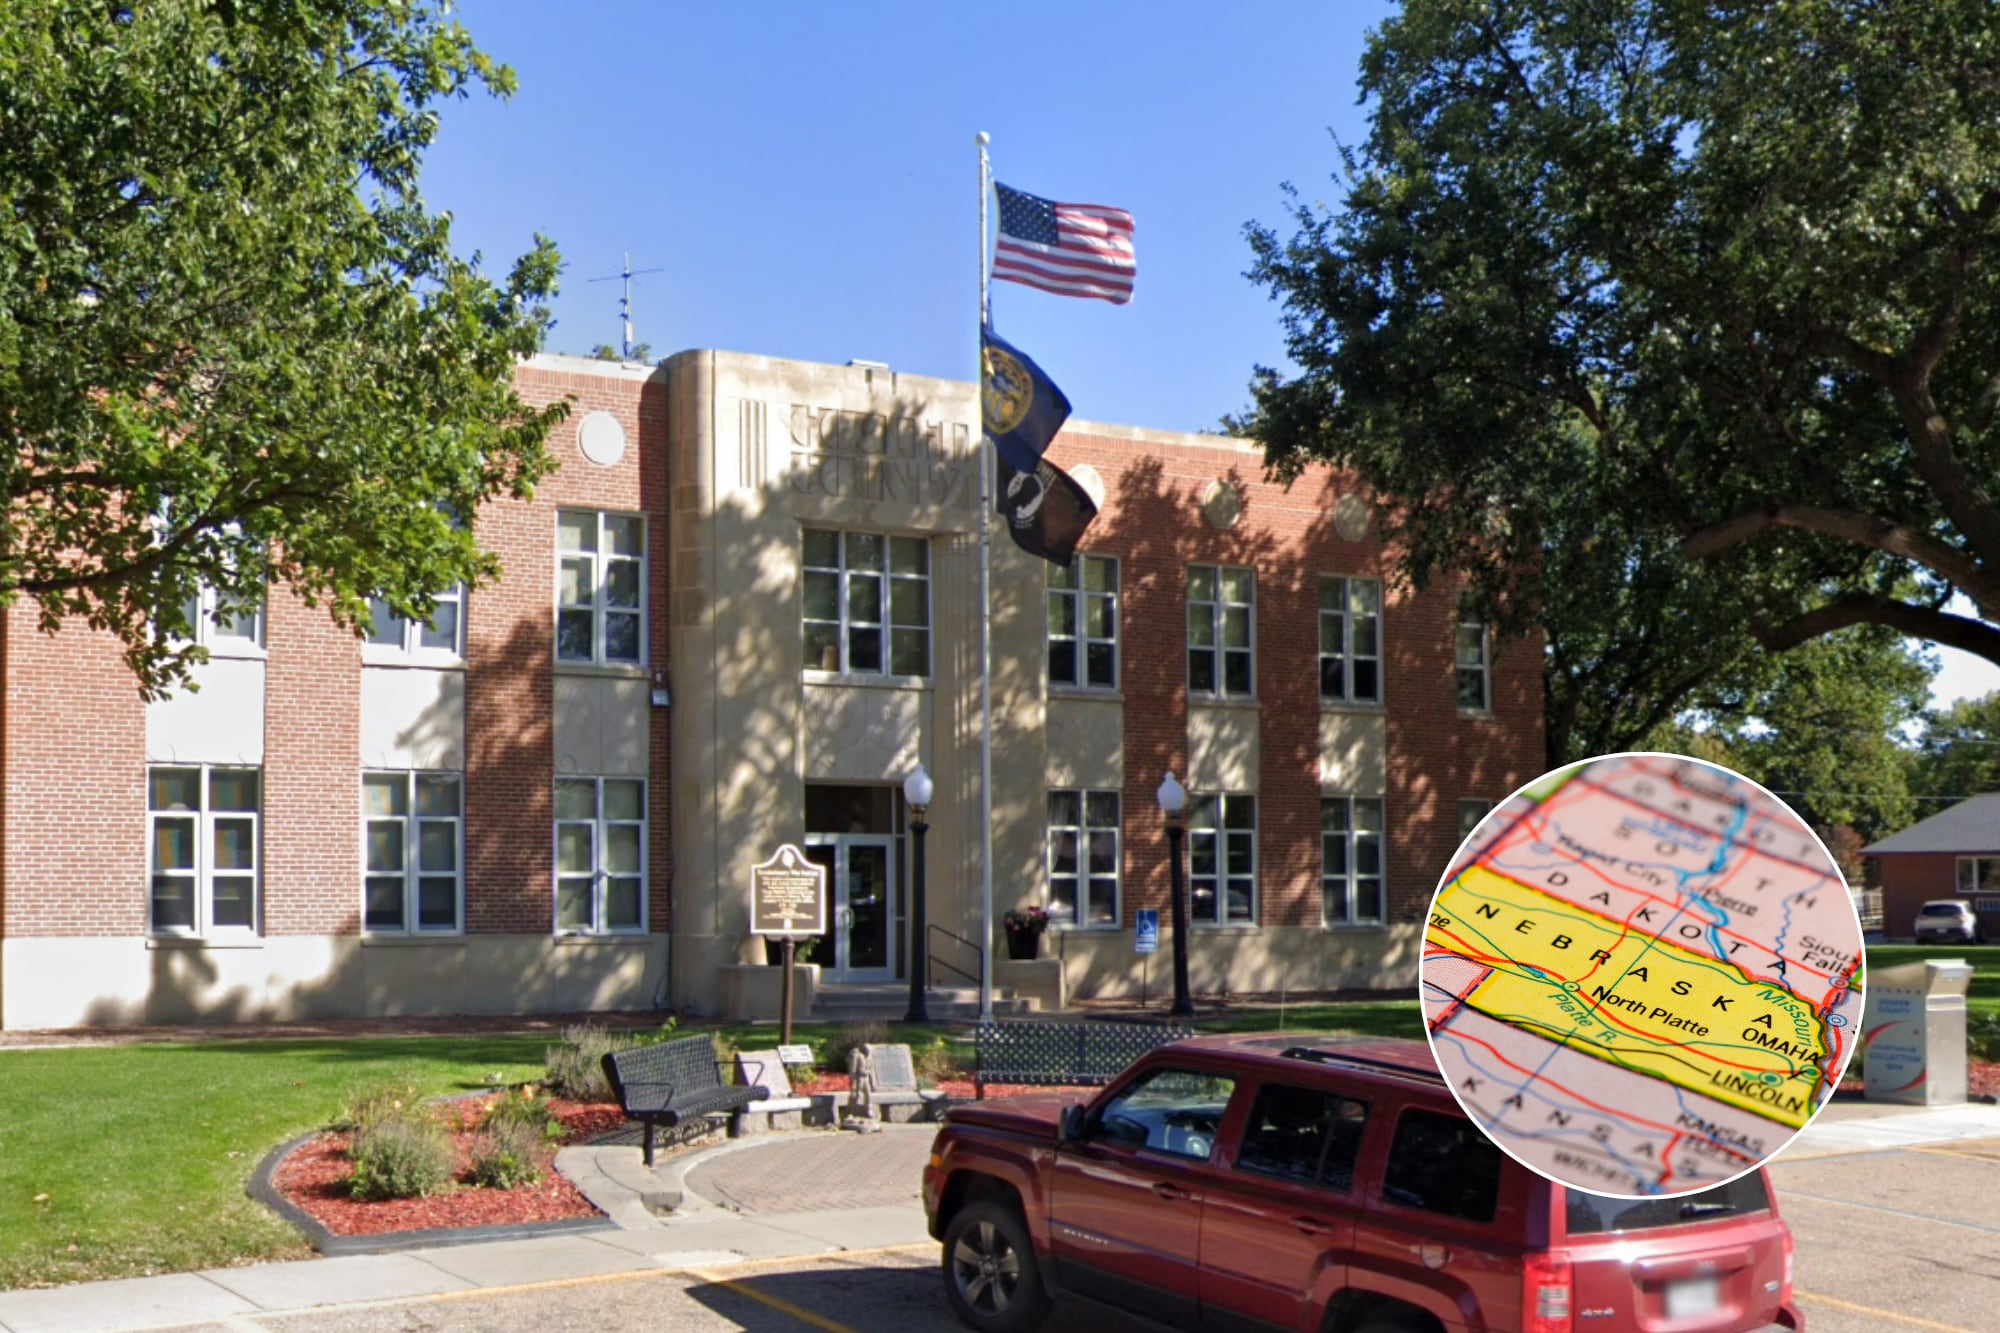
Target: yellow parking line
[(1987, 1158), (1838, 1304), (778, 1303)]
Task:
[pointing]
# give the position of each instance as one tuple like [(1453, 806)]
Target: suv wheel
[(990, 1272)]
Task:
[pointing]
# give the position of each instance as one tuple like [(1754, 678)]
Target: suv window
[(1941, 909), (1443, 1164), (1592, 1214), (1168, 1110), (1303, 1135)]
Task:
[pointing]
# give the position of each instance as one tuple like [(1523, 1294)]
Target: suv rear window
[(1941, 909), (1593, 1214), (1443, 1164)]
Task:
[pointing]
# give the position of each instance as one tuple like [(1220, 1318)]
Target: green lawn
[(142, 1151)]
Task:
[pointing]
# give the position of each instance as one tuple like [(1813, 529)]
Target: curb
[(327, 1243)]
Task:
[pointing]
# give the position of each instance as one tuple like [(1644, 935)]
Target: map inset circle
[(1641, 975)]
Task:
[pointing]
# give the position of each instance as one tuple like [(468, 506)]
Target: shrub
[(726, 1047), (506, 1153), (400, 1156), (937, 1062), (527, 1110), (576, 1068), (373, 1103), (847, 1039), (1982, 1036)]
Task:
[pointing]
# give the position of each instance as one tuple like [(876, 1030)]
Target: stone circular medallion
[(1350, 518), (600, 438), (1221, 505), (1091, 480)]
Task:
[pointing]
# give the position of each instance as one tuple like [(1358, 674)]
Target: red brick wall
[(312, 771), (73, 759), (1152, 521), (510, 685)]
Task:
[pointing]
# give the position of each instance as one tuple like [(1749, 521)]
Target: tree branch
[(1973, 636), (1857, 529)]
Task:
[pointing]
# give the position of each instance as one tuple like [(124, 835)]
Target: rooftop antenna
[(625, 302)]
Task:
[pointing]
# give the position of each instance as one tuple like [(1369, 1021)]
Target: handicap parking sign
[(1146, 934)]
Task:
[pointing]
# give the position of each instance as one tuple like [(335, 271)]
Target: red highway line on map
[(1458, 998), (1462, 1035), (1487, 865), (1609, 1019)]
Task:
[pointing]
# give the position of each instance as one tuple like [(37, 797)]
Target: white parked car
[(1949, 921)]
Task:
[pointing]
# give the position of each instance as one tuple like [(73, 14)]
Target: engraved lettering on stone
[(871, 456)]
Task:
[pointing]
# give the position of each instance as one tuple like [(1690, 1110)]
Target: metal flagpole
[(985, 626)]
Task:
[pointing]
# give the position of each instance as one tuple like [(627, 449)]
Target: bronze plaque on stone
[(788, 895)]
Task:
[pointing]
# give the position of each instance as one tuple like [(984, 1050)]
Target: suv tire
[(990, 1273), (1394, 1323)]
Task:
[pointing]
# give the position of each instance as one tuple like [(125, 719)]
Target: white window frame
[(600, 560), (888, 579), (1969, 883), (407, 643), (1081, 878), (1342, 842), (1479, 666), (208, 628), (412, 873), (599, 825), (1071, 600), (1340, 622), (1208, 825), (203, 873), (1214, 613)]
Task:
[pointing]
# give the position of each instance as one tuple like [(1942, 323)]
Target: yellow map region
[(1631, 997)]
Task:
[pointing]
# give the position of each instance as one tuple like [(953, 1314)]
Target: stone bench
[(782, 1108), (882, 1085)]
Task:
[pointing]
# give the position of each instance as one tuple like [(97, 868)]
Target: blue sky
[(804, 177)]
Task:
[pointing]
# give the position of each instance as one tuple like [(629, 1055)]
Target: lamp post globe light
[(1173, 804), (917, 792)]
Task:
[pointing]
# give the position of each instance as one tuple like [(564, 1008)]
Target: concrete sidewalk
[(812, 1193)]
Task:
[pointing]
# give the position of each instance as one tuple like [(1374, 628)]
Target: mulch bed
[(314, 1178), (958, 1089)]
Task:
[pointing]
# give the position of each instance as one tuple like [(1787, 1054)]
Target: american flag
[(1067, 249)]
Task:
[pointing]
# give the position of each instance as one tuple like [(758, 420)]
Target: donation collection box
[(1914, 1029)]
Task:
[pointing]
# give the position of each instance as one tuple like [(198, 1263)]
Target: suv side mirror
[(1070, 1128)]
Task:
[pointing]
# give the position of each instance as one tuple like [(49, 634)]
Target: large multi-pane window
[(1979, 874), (202, 829), (1475, 685), (443, 634), (600, 587), (867, 603), (1350, 640), (600, 856), (1222, 860), (1083, 858), (414, 839), (1350, 857), (1083, 623), (1220, 611)]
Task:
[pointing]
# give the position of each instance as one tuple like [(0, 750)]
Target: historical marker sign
[(788, 895)]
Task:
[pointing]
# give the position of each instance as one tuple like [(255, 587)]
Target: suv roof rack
[(1321, 1055)]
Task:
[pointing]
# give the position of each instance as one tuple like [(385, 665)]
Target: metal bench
[(1063, 1054), (673, 1083)]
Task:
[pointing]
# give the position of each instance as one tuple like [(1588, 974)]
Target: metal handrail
[(933, 962)]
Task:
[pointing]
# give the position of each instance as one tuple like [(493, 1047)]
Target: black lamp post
[(917, 791), (1173, 804)]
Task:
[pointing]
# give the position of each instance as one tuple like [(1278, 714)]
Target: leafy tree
[(1960, 752), (1717, 278), (235, 347), (606, 352)]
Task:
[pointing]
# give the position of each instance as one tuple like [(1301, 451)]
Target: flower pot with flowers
[(1024, 931)]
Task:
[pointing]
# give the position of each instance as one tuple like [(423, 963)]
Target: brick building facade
[(737, 615)]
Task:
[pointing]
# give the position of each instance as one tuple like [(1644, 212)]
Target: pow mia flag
[(1046, 511), (1021, 410)]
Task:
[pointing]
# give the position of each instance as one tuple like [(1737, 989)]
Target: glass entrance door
[(860, 871)]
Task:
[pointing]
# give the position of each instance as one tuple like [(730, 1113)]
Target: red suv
[(1323, 1185)]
